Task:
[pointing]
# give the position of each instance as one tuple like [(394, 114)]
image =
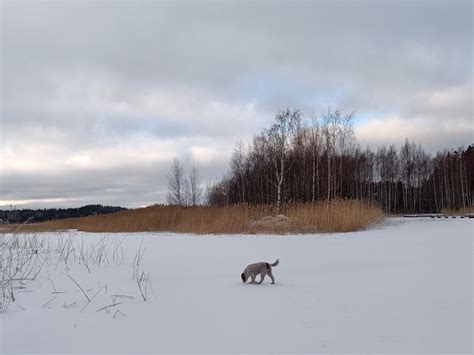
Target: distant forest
[(300, 162), (23, 215)]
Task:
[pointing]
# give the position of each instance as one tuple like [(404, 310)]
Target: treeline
[(319, 159), (28, 215)]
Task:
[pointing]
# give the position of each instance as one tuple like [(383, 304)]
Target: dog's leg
[(262, 276), (253, 278), (271, 276)]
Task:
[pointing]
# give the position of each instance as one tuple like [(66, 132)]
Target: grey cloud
[(77, 75), (215, 43), (127, 185)]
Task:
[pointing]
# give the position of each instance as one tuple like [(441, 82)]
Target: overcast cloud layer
[(97, 98)]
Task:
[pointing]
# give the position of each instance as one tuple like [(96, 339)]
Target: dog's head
[(243, 277)]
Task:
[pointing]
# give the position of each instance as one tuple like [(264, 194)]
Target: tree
[(345, 139), (237, 167), (186, 192), (176, 184), (195, 190), (315, 146), (330, 130), (279, 136), (293, 162)]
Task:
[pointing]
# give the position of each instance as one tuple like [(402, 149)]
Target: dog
[(262, 268)]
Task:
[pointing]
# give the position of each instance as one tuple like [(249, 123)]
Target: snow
[(402, 286)]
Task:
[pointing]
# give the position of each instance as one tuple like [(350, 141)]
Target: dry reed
[(335, 216), (469, 210)]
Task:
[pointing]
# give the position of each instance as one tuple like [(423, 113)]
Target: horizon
[(98, 98)]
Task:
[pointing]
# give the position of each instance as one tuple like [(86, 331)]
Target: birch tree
[(279, 137), (176, 184)]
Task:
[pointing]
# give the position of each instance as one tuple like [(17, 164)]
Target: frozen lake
[(403, 286)]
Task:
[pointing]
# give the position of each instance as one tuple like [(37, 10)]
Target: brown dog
[(262, 268)]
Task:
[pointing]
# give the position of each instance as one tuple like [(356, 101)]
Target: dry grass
[(462, 211), (337, 216)]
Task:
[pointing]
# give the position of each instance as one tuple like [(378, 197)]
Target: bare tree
[(176, 184), (279, 137), (237, 167), (186, 192), (313, 162), (195, 189), (315, 146), (345, 139), (330, 130)]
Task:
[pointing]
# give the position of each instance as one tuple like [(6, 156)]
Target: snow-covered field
[(404, 286)]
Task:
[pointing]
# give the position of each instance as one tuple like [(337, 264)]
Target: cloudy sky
[(98, 97)]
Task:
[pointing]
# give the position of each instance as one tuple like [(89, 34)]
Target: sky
[(98, 97)]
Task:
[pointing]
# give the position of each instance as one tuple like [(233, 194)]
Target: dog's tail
[(275, 263)]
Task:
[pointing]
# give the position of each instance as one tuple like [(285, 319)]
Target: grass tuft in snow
[(25, 256)]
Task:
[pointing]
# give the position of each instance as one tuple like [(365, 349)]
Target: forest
[(14, 215), (305, 161)]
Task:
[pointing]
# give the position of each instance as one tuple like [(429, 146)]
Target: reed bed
[(323, 217), (469, 210), (337, 216)]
